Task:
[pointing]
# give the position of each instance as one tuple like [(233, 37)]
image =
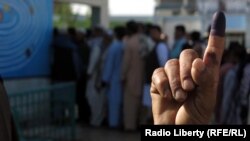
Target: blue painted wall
[(25, 35)]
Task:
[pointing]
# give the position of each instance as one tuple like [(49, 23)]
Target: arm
[(108, 65)]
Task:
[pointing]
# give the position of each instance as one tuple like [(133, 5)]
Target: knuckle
[(161, 82), (156, 73), (172, 62), (159, 78), (153, 89), (175, 84), (189, 52)]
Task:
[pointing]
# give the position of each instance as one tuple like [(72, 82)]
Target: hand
[(184, 91)]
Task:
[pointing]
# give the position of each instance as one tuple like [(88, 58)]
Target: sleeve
[(108, 65), (162, 54), (125, 61)]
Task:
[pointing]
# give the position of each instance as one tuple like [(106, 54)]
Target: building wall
[(99, 10)]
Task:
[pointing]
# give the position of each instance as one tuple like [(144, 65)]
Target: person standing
[(180, 40), (232, 95), (132, 76), (95, 100), (155, 59), (111, 78)]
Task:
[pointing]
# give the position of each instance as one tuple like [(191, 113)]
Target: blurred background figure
[(231, 107), (65, 64), (81, 100), (145, 39), (244, 89), (99, 86), (179, 41), (156, 58), (111, 78), (194, 42), (63, 68), (96, 101), (80, 62), (132, 77)]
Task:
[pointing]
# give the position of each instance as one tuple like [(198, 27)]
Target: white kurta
[(95, 100)]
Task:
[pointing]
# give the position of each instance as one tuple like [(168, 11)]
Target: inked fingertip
[(218, 25)]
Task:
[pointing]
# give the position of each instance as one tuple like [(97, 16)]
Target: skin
[(155, 34), (184, 91)]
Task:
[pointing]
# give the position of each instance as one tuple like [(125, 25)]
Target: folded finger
[(186, 59), (172, 69), (160, 83)]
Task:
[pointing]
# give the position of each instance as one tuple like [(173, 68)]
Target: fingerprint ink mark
[(213, 58)]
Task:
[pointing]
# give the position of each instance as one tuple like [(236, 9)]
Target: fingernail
[(188, 85), (180, 95), (218, 24)]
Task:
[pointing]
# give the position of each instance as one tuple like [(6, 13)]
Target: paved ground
[(85, 133)]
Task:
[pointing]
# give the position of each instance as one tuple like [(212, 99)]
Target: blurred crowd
[(113, 69)]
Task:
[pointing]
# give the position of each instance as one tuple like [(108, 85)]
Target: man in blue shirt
[(112, 77), (180, 40)]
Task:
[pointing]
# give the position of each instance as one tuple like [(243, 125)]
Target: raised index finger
[(215, 48)]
